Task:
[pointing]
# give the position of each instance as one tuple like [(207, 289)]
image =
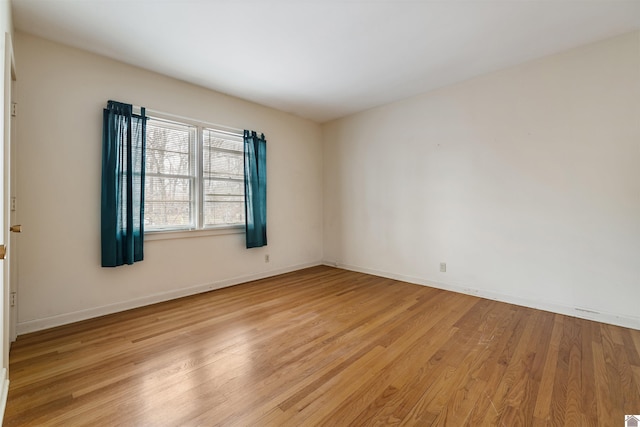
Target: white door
[(10, 157), (8, 74)]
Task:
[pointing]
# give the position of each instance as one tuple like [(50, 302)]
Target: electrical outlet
[(443, 267), (266, 258)]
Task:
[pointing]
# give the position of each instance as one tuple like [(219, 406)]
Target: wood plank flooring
[(326, 347)]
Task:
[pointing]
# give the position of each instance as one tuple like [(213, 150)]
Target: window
[(194, 177), (223, 179), (170, 175)]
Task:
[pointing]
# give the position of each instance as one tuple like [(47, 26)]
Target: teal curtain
[(255, 189), (123, 151)]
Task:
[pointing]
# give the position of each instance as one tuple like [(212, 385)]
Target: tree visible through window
[(194, 177)]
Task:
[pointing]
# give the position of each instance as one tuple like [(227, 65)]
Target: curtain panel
[(123, 165), (255, 189)]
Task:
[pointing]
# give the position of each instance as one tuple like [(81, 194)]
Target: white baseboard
[(76, 316), (580, 312), (4, 393)]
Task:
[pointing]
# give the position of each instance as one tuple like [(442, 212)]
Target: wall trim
[(4, 393), (76, 316), (63, 319), (579, 312)]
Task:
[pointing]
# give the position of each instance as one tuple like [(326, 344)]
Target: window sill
[(187, 234)]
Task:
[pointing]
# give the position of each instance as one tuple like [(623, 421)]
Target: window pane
[(224, 213), (223, 179), (217, 187), (223, 162), (158, 188), (159, 214), (167, 162), (215, 139), (167, 136), (170, 168)]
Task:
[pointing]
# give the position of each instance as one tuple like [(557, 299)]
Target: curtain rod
[(216, 126)]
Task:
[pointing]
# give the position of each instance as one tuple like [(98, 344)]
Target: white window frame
[(197, 227)]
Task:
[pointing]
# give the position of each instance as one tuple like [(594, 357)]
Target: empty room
[(301, 213)]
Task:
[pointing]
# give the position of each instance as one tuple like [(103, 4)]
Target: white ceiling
[(324, 59)]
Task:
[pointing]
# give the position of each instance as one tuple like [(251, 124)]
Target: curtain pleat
[(255, 189), (123, 165)]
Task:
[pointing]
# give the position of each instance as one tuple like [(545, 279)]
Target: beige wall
[(61, 94), (526, 182)]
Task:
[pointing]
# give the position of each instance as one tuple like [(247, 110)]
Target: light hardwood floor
[(330, 347)]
